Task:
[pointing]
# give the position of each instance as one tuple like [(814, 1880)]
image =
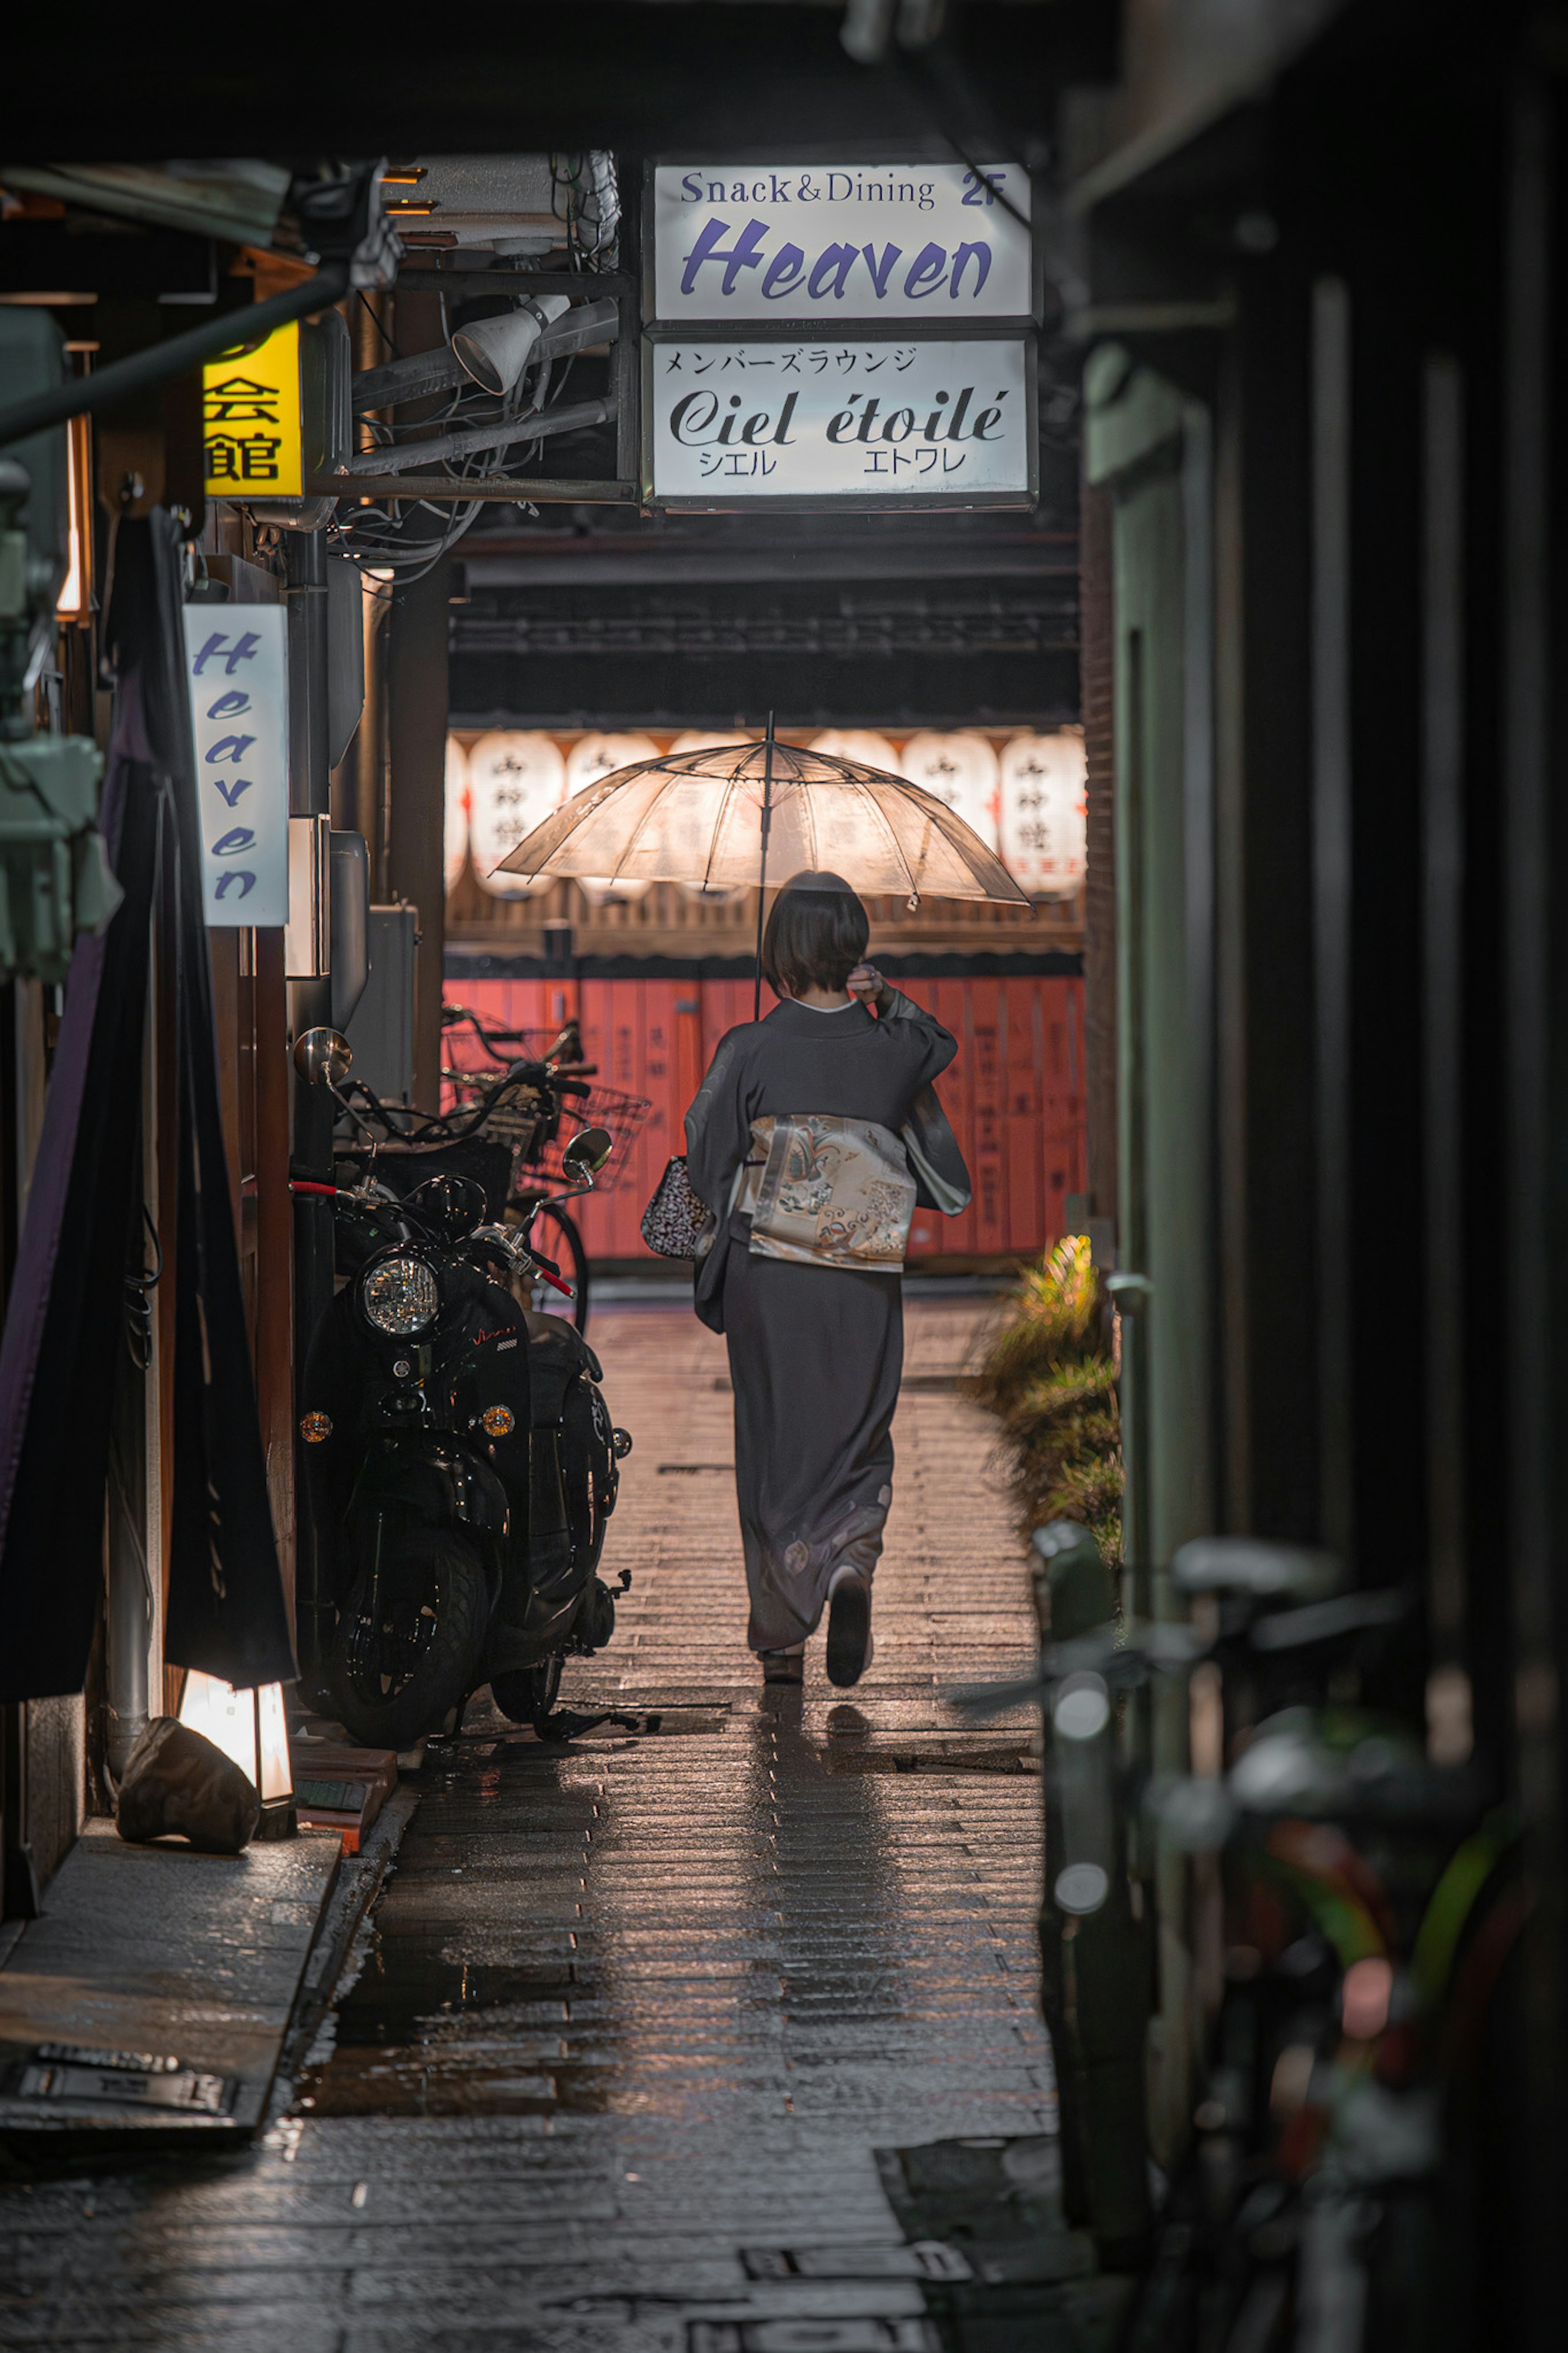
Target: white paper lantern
[(694, 740), (857, 743), (515, 781), (591, 757), (961, 770), (457, 813), (1043, 840)]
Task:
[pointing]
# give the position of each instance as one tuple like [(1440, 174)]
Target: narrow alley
[(642, 2018)]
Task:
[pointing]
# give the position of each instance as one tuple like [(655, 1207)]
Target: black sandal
[(783, 1666)]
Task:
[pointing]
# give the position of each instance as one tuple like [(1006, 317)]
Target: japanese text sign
[(901, 241), (250, 420), (875, 422), (236, 660)]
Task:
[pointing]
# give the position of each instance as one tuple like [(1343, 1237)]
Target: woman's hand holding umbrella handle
[(866, 983)]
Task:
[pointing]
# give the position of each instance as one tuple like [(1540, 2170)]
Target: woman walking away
[(794, 1143)]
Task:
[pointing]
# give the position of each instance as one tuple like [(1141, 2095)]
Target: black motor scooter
[(462, 1464)]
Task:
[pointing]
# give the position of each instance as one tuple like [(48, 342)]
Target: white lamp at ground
[(251, 1727)]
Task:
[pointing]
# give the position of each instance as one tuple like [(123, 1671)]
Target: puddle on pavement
[(420, 2034), (595, 1928)]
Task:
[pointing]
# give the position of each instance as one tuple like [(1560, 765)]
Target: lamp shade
[(516, 779), (961, 770), (1043, 834), (591, 757), (494, 352), (455, 842), (249, 1727)]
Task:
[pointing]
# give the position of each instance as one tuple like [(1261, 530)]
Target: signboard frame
[(908, 502), (897, 159)]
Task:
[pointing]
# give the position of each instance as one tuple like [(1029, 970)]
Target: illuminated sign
[(237, 661), (836, 420), (934, 242), (250, 420)]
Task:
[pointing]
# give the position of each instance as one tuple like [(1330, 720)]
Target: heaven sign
[(932, 242), (829, 421), (237, 665)]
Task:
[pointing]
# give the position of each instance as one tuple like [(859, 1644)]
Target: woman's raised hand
[(866, 983)]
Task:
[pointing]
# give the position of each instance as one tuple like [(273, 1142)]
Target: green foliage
[(1047, 1376)]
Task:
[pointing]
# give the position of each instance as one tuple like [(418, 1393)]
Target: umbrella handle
[(763, 878)]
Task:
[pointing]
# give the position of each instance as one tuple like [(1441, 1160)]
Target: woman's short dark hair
[(816, 935)]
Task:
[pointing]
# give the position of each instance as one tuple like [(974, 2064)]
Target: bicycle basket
[(623, 1116)]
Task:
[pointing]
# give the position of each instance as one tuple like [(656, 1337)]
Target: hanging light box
[(591, 757), (249, 1727), (455, 841), (961, 770), (515, 781), (1043, 840)]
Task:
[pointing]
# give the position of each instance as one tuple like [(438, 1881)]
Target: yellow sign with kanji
[(250, 410)]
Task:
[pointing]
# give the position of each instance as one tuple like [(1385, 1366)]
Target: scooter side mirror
[(586, 1154), (323, 1057)]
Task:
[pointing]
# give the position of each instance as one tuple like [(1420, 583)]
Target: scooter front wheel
[(408, 1638), (528, 1695)]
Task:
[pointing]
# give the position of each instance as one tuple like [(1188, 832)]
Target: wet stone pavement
[(622, 2061)]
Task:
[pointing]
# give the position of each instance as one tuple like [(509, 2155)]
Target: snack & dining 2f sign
[(932, 243), (846, 421), (843, 335)]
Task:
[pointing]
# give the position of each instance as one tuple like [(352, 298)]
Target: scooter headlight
[(400, 1295)]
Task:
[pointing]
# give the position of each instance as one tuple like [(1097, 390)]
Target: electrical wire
[(384, 537)]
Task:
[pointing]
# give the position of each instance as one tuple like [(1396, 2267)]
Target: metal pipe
[(106, 387), (510, 489), (310, 1006), (499, 436)]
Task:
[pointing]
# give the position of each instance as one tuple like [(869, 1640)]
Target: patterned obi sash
[(828, 1192)]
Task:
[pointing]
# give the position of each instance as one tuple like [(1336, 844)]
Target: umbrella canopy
[(699, 817)]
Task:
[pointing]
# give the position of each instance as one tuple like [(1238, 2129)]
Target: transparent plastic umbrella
[(744, 813), (751, 813)]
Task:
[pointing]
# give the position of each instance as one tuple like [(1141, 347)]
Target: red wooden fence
[(1015, 1094)]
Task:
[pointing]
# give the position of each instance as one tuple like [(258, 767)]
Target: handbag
[(676, 1223)]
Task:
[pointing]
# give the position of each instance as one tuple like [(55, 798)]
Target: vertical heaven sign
[(238, 664)]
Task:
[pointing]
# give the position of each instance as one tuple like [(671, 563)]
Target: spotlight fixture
[(495, 351)]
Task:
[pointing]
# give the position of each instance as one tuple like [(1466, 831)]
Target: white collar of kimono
[(826, 1008)]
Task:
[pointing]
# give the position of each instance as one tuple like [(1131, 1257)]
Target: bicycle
[(528, 1118), (1366, 1902)]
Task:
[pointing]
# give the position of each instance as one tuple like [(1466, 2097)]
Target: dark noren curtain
[(64, 1317)]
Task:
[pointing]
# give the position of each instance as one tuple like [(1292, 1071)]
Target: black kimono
[(816, 1352)]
